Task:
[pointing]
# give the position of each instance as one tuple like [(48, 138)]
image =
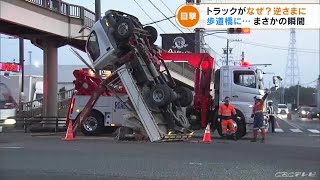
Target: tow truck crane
[(118, 42)]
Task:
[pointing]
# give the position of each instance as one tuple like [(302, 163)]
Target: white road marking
[(194, 163), (12, 147), (278, 130), (314, 131), (295, 130)]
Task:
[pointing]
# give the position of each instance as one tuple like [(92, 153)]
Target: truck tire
[(153, 34), (160, 95), (241, 131), (93, 124), (185, 94), (123, 29)]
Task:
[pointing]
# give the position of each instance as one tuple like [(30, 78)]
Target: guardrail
[(35, 108), (67, 9), (41, 124)]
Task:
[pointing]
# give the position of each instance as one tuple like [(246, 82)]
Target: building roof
[(65, 72)]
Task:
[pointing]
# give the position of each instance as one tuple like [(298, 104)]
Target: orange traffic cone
[(207, 135), (69, 134)]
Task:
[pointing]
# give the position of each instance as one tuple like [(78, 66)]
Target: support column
[(50, 82)]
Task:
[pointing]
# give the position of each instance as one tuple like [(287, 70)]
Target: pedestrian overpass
[(50, 24)]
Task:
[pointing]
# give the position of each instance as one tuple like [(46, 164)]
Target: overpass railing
[(67, 9), (35, 108)]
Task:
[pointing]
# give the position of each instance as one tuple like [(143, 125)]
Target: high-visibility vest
[(258, 107), (226, 111)]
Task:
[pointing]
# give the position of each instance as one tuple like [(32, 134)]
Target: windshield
[(282, 106)]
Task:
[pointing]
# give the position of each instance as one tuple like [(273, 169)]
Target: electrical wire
[(271, 46), (176, 25), (149, 16), (309, 82), (170, 10), (165, 19)]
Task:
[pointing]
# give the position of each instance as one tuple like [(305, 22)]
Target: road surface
[(48, 157)]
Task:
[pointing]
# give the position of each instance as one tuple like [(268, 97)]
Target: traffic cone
[(207, 135), (69, 134)]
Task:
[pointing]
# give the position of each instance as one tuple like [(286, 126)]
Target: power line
[(271, 46), (309, 82), (175, 24), (165, 19), (165, 16), (170, 10), (149, 16)]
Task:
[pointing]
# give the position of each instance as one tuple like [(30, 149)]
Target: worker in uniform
[(257, 114), (271, 115), (226, 111)]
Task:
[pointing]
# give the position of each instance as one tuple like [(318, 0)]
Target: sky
[(278, 39)]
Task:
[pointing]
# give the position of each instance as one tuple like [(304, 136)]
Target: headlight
[(9, 121), (303, 112)]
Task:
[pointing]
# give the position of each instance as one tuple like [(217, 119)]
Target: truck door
[(244, 86)]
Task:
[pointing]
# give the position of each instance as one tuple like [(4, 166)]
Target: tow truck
[(153, 103)]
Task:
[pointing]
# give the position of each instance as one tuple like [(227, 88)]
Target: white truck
[(240, 83), (33, 87)]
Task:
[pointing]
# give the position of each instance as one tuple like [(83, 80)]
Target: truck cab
[(241, 83)]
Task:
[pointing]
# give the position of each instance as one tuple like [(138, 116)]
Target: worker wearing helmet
[(226, 111), (271, 115), (257, 114)]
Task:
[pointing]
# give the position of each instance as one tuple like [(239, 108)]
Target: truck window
[(245, 78), (93, 46), (4, 93)]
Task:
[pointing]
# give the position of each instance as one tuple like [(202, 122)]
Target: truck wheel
[(161, 95), (93, 124), (241, 131), (123, 29), (185, 94), (153, 34)]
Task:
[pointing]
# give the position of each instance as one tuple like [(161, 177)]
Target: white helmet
[(258, 97)]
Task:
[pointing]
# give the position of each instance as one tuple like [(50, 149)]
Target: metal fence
[(67, 9), (35, 108)]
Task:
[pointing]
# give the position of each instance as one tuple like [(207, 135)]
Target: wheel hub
[(123, 28), (90, 124), (158, 95)]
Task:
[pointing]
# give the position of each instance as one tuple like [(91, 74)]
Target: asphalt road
[(48, 157)]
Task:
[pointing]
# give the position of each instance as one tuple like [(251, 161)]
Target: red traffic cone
[(69, 134), (207, 135)]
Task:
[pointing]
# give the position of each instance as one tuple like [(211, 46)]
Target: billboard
[(179, 43)]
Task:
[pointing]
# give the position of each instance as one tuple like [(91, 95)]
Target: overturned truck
[(121, 44)]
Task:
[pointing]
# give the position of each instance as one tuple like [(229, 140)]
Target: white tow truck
[(119, 43)]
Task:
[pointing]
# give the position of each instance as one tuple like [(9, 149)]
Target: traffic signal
[(238, 30)]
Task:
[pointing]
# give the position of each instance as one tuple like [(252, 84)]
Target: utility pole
[(197, 35), (98, 9), (30, 58), (298, 94), (227, 63), (21, 62)]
